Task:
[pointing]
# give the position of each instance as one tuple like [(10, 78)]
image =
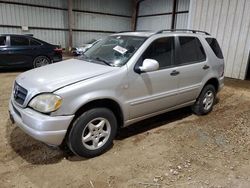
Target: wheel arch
[(104, 103), (214, 82)]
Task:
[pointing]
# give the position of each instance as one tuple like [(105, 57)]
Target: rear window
[(215, 47), (190, 51), (2, 41), (19, 41)]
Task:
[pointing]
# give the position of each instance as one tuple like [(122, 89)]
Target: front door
[(152, 92), (21, 52)]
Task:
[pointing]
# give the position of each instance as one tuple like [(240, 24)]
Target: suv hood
[(52, 77)]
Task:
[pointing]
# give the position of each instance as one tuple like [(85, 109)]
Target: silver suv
[(123, 79)]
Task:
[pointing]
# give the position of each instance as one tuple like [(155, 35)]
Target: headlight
[(46, 103)]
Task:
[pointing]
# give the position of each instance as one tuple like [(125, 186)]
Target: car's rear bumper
[(45, 128), (221, 83), (57, 58)]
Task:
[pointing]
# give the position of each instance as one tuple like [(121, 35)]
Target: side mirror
[(149, 65)]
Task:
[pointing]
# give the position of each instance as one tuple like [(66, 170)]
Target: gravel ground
[(176, 149)]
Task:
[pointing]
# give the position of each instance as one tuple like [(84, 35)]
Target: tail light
[(221, 70), (58, 50)]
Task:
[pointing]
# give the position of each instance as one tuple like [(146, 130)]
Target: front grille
[(19, 94)]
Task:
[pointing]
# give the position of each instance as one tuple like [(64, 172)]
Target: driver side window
[(161, 50)]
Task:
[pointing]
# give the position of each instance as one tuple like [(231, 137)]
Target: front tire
[(205, 102), (93, 132)]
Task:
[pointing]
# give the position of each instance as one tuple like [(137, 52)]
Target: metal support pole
[(134, 15), (70, 21), (136, 6), (173, 23)]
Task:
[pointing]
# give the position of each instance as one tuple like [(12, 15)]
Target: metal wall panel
[(154, 22), (181, 21), (31, 16), (122, 7), (229, 22), (93, 21), (101, 22), (53, 3), (22, 15), (149, 7), (56, 20), (183, 5), (51, 36), (155, 7), (80, 38)]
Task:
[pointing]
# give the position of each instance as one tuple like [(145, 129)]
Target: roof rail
[(188, 30), (133, 31)]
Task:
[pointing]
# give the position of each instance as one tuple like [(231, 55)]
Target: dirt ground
[(176, 149)]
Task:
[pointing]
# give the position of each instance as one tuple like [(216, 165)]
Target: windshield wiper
[(103, 60)]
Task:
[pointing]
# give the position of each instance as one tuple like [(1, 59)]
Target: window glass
[(113, 50), (215, 47), (34, 42), (190, 51), (19, 41), (2, 41), (161, 50)]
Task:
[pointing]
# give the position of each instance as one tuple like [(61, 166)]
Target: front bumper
[(45, 128)]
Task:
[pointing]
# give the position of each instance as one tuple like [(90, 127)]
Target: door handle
[(174, 73), (205, 67)]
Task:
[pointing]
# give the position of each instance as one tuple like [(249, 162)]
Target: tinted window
[(34, 42), (215, 47), (190, 51), (19, 41), (161, 50), (2, 41)]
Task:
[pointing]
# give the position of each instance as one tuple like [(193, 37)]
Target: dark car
[(25, 51)]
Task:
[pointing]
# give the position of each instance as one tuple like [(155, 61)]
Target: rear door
[(192, 64)]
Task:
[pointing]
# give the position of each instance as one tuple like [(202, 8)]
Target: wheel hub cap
[(41, 62), (208, 100), (96, 133)]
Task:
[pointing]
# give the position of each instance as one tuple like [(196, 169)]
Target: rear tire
[(93, 132), (41, 61), (205, 102)]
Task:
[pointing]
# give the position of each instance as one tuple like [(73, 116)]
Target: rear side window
[(215, 47), (190, 51), (19, 41), (161, 50), (34, 42)]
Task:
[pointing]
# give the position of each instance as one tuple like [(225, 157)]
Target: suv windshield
[(113, 50)]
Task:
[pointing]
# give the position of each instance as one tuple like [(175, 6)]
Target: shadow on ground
[(154, 122), (31, 150)]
